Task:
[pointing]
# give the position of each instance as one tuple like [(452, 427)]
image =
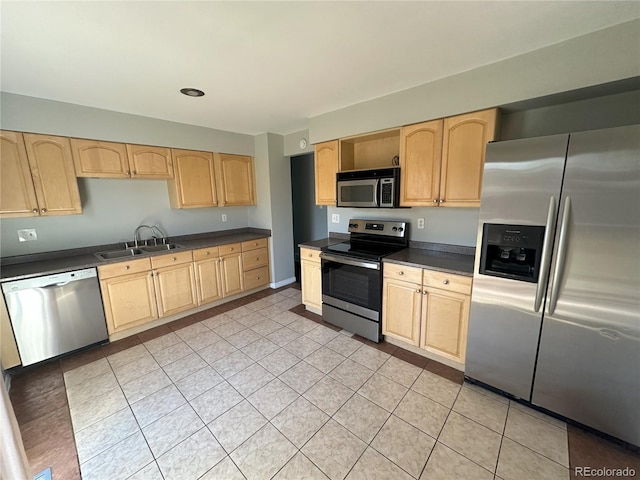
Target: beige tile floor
[(259, 392)]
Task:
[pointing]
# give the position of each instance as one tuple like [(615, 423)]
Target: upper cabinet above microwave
[(442, 161)]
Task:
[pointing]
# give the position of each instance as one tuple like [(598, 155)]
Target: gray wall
[(112, 209), (592, 114), (292, 143), (599, 57), (273, 181), (456, 226)]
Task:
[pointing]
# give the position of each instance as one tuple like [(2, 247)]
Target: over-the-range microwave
[(379, 188)]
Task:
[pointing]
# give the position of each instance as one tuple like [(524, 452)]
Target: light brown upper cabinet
[(326, 167), (464, 145), (100, 159), (236, 179), (442, 161), (117, 160), (193, 185), (37, 176), (149, 162), (420, 158)]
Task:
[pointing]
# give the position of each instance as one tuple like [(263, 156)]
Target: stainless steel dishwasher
[(55, 314)]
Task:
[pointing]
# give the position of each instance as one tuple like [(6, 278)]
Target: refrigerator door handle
[(545, 261), (562, 252)]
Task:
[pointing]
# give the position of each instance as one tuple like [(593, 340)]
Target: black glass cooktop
[(368, 251)]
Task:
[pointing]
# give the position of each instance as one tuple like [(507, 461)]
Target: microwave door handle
[(376, 193)]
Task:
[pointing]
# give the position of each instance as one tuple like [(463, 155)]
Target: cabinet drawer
[(256, 278), (310, 255), (448, 281), (230, 248), (255, 258), (124, 268), (254, 244), (171, 259), (205, 253), (402, 272)]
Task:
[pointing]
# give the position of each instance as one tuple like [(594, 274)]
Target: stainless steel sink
[(111, 254), (162, 247)]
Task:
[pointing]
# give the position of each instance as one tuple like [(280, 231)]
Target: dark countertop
[(448, 262), (434, 256), (323, 242), (25, 266)]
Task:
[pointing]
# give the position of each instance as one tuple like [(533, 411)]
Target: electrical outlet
[(224, 217), (27, 235), (335, 217), (421, 223)]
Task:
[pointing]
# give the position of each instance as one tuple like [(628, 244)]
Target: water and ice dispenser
[(512, 251)]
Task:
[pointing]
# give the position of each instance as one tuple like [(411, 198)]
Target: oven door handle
[(350, 261)]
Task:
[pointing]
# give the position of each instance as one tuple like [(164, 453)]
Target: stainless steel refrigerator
[(555, 308)]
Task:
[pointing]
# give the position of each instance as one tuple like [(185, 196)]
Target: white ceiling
[(267, 66)]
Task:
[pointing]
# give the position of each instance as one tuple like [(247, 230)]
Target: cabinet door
[(208, 280), (175, 289), (326, 167), (445, 319), (129, 300), (401, 303), (54, 178), (231, 273), (420, 158), (311, 273), (193, 185), (149, 162), (17, 195), (236, 179), (100, 159), (463, 151)]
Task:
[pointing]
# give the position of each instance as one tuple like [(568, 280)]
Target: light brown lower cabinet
[(146, 289), (311, 273), (156, 288), (128, 294), (427, 309)]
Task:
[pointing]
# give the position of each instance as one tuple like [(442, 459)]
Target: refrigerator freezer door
[(522, 180), (590, 345)]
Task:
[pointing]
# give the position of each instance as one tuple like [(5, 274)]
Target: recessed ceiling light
[(192, 92)]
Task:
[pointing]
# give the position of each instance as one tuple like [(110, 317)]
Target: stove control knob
[(395, 229), (400, 229)]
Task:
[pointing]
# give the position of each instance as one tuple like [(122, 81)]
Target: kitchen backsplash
[(456, 226)]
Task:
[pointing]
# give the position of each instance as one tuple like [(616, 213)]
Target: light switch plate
[(335, 217), (224, 217), (27, 235), (421, 223)]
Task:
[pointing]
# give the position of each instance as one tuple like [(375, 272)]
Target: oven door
[(358, 193), (352, 284)]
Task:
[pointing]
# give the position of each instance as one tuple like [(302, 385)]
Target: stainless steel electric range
[(352, 275)]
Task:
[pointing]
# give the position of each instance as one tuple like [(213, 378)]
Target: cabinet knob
[(127, 267), (424, 292), (174, 259), (134, 172), (43, 210), (35, 210), (446, 282), (128, 172), (400, 273), (208, 253), (310, 255), (231, 249), (418, 291), (435, 200), (441, 200), (257, 278)]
